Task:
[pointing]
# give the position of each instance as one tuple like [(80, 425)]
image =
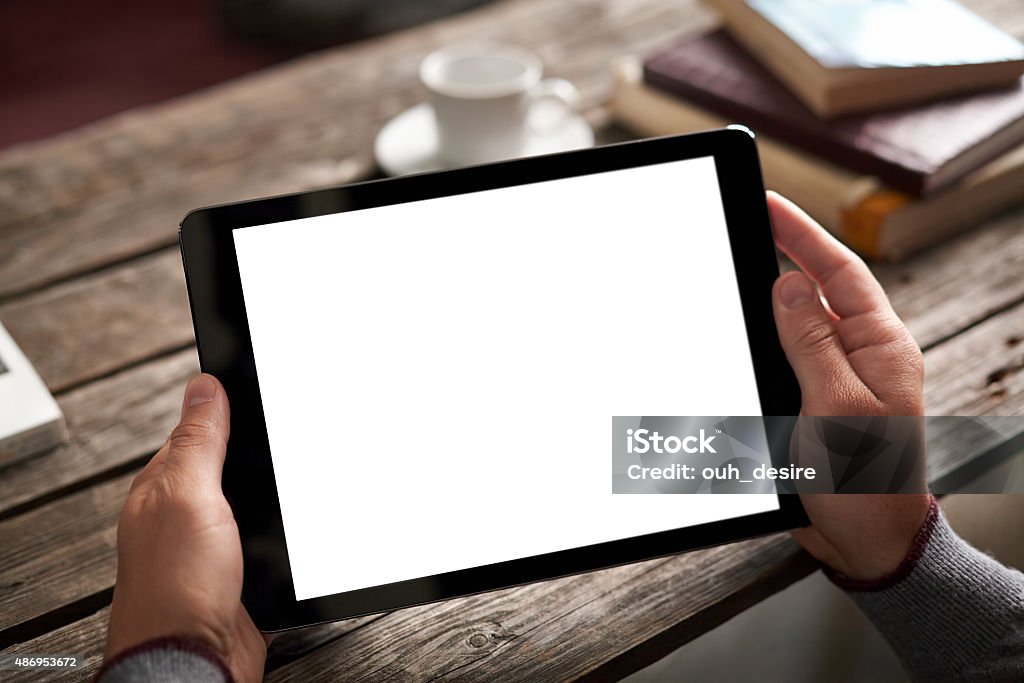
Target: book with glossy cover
[(889, 33), (919, 150), (847, 56), (877, 221)]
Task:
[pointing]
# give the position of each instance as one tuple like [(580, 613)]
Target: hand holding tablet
[(854, 358), (425, 346)]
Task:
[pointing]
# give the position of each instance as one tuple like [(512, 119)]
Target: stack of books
[(895, 123)]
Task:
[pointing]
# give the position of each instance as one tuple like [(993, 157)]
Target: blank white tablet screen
[(439, 377)]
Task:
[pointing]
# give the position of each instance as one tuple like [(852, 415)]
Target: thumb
[(809, 338), (197, 446)]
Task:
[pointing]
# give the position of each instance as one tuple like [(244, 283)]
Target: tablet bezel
[(225, 350)]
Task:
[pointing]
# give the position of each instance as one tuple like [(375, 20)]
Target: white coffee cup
[(484, 97)]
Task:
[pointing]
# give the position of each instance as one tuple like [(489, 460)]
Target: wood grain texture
[(87, 636), (75, 559), (58, 554), (77, 553), (102, 317), (49, 190), (125, 417), (111, 320), (113, 423), (132, 312), (953, 286), (127, 314), (293, 645), (980, 371), (118, 188), (960, 449), (100, 323), (152, 390), (462, 637), (601, 625), (91, 287)]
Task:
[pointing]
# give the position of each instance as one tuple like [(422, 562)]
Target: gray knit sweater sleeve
[(951, 612), (166, 660)]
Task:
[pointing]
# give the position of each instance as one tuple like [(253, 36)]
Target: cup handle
[(557, 91)]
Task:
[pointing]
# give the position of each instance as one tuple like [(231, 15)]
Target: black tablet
[(423, 371)]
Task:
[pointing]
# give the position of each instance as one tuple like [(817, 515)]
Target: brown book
[(877, 221), (846, 56), (917, 150)]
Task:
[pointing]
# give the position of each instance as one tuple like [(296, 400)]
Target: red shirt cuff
[(905, 567), (178, 643)]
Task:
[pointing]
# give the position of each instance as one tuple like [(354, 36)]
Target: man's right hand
[(852, 355)]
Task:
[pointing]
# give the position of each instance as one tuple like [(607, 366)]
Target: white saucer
[(408, 143)]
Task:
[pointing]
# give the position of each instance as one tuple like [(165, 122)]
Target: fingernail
[(200, 390), (796, 291)]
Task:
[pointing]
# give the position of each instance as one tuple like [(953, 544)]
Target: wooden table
[(91, 287)]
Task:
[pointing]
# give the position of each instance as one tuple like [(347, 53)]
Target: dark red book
[(919, 150)]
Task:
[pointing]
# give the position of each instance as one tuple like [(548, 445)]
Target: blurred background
[(69, 62)]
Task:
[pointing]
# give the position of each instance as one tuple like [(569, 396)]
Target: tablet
[(423, 371)]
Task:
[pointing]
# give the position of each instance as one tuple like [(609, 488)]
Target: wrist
[(136, 619), (890, 552), (160, 648)]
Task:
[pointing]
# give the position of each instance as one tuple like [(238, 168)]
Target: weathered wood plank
[(954, 285), (978, 372), (113, 423), (293, 645), (100, 316), (77, 552), (961, 449), (58, 555), (981, 371), (126, 416), (132, 312), (93, 512), (603, 624), (117, 188), (100, 323), (86, 637), (988, 362), (489, 637), (504, 618), (74, 559)]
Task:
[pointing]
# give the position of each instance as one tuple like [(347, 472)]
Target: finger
[(810, 339), (849, 286), (197, 446)]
